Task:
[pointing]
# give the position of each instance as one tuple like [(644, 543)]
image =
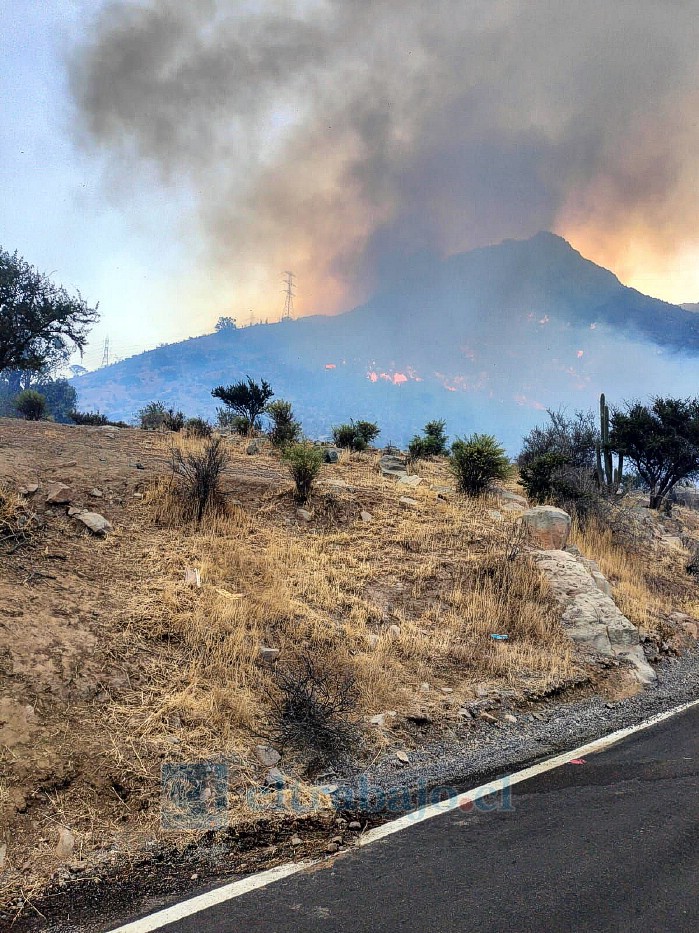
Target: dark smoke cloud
[(335, 135)]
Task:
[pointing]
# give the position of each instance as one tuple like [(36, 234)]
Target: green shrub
[(285, 429), (197, 427), (305, 462), (31, 405), (229, 421), (357, 435), (433, 442), (476, 461), (94, 418), (156, 417)]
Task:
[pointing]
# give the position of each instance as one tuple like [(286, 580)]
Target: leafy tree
[(305, 462), (357, 435), (476, 462), (246, 399), (433, 443), (39, 320), (557, 462), (225, 323), (661, 440), (285, 429), (31, 405), (60, 396)]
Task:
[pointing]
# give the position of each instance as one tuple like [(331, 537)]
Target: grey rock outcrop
[(547, 527), (392, 465), (590, 616)]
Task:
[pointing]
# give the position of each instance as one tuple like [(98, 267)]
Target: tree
[(39, 320), (225, 323), (476, 462), (31, 405), (433, 443), (246, 399), (357, 435), (285, 428), (661, 440)]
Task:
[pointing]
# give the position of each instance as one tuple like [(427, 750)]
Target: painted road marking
[(227, 892)]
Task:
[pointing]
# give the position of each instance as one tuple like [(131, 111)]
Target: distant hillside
[(485, 339), (694, 308)]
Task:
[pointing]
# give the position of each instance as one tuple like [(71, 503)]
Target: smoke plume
[(335, 137)]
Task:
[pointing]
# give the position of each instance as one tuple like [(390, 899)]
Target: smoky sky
[(337, 136)]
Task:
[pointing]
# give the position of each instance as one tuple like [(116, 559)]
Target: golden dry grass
[(412, 596), (649, 580)]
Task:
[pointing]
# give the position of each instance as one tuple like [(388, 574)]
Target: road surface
[(607, 844)]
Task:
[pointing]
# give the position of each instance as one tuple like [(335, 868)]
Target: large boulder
[(589, 614), (547, 527), (331, 455)]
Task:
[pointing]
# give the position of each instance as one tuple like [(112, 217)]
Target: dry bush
[(313, 708), (18, 524), (198, 475)]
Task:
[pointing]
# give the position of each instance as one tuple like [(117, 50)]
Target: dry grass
[(413, 596), (649, 581)]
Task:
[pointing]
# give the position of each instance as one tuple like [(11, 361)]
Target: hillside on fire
[(488, 338)]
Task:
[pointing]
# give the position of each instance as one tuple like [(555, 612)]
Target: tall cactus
[(608, 476)]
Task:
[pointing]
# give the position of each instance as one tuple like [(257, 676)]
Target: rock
[(367, 517), (466, 713), (304, 515), (74, 510), (96, 493), (331, 455), (355, 825), (602, 583), (97, 523), (394, 631), (274, 778), (254, 447), (267, 756), (590, 616), (672, 541), (296, 840), (65, 844), (407, 502), (391, 465), (332, 847), (3, 855), (28, 489), (58, 494), (404, 757), (138, 465), (508, 717), (510, 501), (373, 639), (411, 481), (495, 515), (547, 527), (268, 655)]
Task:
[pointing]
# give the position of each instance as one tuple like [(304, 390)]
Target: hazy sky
[(171, 159)]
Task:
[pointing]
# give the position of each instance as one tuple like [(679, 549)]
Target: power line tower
[(105, 352), (289, 291)]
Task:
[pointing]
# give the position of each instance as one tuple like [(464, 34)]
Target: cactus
[(608, 476)]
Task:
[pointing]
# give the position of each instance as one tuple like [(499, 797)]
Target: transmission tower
[(105, 352), (289, 293)]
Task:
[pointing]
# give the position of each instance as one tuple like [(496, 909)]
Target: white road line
[(235, 889)]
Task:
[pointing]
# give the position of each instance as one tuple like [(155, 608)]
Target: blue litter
[(499, 637)]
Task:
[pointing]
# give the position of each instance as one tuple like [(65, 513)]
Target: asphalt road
[(608, 844)]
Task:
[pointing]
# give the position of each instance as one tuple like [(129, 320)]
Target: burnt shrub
[(314, 707), (199, 476)]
